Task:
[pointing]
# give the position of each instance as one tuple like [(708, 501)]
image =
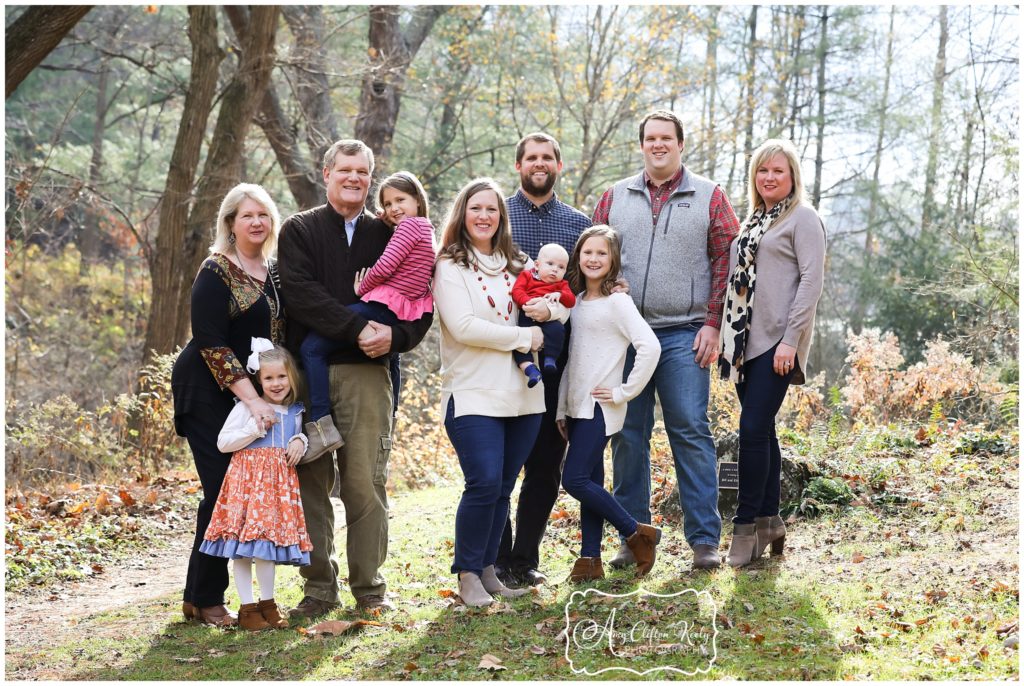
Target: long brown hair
[(576, 280), (405, 182), (455, 243)]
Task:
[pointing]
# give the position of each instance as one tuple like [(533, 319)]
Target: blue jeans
[(583, 479), (491, 452), (760, 461), (316, 349), (683, 389)]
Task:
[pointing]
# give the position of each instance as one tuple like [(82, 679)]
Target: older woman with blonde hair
[(776, 269), (490, 414), (235, 297)]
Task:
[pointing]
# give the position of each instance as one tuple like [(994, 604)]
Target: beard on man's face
[(526, 180)]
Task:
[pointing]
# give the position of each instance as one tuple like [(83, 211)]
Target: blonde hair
[(282, 356), (229, 210), (762, 154), (575, 278), (455, 243)]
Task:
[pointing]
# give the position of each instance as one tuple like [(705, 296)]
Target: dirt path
[(40, 617)]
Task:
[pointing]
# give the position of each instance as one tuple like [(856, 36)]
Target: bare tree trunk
[(391, 52), (169, 262), (302, 174), (939, 76), (709, 147), (307, 26), (799, 22), (34, 35), (857, 316), (748, 118), (820, 148), (89, 241)]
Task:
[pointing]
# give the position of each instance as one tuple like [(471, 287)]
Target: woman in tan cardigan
[(776, 268)]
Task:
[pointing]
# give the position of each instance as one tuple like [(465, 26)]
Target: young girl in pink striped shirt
[(396, 288)]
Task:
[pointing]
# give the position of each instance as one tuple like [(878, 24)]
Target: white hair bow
[(258, 346)]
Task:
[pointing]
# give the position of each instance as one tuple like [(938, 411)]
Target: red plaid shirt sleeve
[(604, 208), (722, 229)]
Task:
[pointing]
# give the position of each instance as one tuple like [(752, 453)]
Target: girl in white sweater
[(592, 396)]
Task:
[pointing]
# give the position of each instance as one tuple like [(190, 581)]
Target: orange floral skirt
[(259, 512)]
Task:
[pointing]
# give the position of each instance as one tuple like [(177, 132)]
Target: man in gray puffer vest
[(675, 227)]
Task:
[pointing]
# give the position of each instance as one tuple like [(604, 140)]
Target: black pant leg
[(540, 484), (207, 576)]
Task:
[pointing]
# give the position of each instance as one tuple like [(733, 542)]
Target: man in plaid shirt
[(537, 217), (676, 228)]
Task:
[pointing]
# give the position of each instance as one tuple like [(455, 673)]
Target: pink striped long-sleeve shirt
[(401, 277)]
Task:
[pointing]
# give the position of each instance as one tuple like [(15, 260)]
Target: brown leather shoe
[(311, 607), (643, 545), (586, 569), (706, 556), (217, 615), (189, 611), (272, 615), (250, 618), (373, 604)]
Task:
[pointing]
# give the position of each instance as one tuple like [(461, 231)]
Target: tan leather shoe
[(189, 611), (311, 607), (217, 615), (270, 612), (586, 569), (250, 618), (643, 544)]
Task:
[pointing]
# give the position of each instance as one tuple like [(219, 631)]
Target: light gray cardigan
[(790, 270)]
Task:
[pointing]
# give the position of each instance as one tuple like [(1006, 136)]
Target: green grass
[(816, 614)]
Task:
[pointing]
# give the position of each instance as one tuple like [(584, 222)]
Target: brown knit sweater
[(318, 269)]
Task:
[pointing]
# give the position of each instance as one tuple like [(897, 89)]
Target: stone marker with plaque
[(728, 475)]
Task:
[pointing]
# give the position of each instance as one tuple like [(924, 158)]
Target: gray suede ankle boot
[(472, 591)]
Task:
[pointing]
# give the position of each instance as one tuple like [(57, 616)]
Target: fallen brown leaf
[(336, 627), (126, 497), (446, 593), (491, 663), (858, 558), (102, 503), (537, 650)]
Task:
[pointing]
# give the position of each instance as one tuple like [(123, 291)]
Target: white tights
[(243, 578)]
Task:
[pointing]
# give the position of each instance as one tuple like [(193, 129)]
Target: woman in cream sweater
[(776, 269), (491, 416)]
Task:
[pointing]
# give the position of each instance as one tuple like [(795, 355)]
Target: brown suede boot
[(268, 608), (643, 544), (741, 550), (250, 618), (586, 569), (770, 531)]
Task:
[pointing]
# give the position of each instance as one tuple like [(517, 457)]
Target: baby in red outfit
[(545, 281)]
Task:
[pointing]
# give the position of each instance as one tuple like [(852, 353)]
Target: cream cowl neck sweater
[(478, 333)]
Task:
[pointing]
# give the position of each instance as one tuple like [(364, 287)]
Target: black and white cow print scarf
[(739, 296)]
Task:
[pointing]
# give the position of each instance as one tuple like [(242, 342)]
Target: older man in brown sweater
[(320, 251)]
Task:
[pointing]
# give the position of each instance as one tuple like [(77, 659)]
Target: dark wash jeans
[(583, 479), (760, 462), (491, 452)]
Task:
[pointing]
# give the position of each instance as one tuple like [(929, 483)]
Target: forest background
[(125, 126)]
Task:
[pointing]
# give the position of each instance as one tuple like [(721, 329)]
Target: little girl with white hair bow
[(258, 516)]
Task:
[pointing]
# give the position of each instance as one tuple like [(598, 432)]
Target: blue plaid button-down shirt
[(552, 222)]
